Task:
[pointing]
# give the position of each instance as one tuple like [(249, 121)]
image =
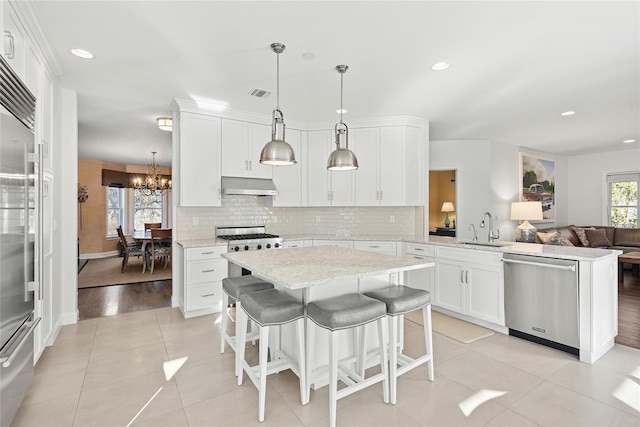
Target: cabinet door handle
[(381, 195), (12, 46), (207, 295), (246, 165), (461, 276), (250, 165), (208, 271), (467, 277)]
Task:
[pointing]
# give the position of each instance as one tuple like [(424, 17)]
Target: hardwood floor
[(629, 310), (116, 299)]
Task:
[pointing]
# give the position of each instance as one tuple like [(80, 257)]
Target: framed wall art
[(538, 183)]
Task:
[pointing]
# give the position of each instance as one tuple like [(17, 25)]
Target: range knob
[(268, 245), (259, 247), (236, 248), (246, 247), (277, 245)]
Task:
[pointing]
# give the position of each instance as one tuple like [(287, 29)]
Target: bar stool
[(399, 301), (233, 288), (346, 312), (270, 308)]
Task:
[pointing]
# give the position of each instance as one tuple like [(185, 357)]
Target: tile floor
[(102, 372)]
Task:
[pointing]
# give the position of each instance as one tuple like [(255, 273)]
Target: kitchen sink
[(489, 244)]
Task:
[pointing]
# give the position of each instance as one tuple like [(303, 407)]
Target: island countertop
[(299, 268)]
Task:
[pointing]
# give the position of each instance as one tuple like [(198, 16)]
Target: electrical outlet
[(317, 218), (196, 220), (392, 219)]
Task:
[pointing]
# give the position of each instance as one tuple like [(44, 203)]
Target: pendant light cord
[(278, 80), (341, 92)]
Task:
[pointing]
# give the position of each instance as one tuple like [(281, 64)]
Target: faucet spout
[(492, 235), (475, 234)]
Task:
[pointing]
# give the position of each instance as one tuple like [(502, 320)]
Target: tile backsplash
[(201, 222)]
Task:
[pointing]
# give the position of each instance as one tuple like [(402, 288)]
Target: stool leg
[(223, 320), (360, 350), (302, 369), (264, 350), (311, 340), (428, 338), (333, 377), (241, 323), (384, 365), (392, 373)]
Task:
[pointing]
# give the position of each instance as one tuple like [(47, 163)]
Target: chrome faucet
[(492, 236), (475, 234)]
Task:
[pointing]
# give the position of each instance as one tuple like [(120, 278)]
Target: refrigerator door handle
[(22, 337)]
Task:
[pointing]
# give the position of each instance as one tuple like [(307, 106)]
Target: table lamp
[(446, 208), (526, 211)]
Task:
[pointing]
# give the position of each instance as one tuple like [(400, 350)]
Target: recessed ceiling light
[(439, 66), (81, 53), (629, 141), (339, 111), (568, 113), (308, 56)]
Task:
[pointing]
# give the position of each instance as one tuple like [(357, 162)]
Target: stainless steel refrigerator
[(18, 179)]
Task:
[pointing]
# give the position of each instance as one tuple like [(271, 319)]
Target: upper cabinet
[(288, 179), (326, 188), (390, 172), (15, 42), (242, 144), (197, 146)]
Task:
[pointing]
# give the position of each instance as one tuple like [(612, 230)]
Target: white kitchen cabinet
[(242, 143), (423, 278), (326, 188), (381, 247), (15, 41), (327, 242), (470, 282), (389, 160), (204, 269), (293, 244), (198, 141), (288, 179)]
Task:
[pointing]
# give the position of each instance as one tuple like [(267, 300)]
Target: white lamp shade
[(529, 211), (447, 207)]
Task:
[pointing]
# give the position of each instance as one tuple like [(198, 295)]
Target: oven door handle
[(541, 264)]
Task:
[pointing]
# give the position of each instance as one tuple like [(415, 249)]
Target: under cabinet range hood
[(248, 186)]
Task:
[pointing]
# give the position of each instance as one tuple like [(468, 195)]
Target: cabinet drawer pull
[(207, 295), (208, 271), (293, 246), (374, 246), (207, 253), (419, 249)]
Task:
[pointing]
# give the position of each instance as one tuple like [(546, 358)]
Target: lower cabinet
[(470, 282), (424, 277), (381, 247), (204, 269), (344, 243)]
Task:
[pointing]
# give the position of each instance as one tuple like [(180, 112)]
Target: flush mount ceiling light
[(568, 113), (165, 123), (277, 152), (628, 141), (81, 53), (342, 159), (439, 66)]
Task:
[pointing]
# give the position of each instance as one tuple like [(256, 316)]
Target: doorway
[(442, 202)]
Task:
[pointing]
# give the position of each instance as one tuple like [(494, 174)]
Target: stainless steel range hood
[(248, 186)]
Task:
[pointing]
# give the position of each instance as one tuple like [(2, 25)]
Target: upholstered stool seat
[(337, 314), (269, 308), (400, 300), (233, 288)]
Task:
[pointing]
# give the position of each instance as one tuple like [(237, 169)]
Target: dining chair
[(161, 242), (150, 225), (128, 248)]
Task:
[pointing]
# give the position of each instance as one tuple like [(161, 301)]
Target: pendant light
[(277, 152), (342, 159)]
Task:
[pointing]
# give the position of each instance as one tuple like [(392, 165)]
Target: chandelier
[(154, 183)]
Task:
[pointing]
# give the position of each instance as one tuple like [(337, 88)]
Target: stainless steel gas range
[(247, 238)]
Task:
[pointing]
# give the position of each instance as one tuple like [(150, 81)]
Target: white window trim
[(617, 177)]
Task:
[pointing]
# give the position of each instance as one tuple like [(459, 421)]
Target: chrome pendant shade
[(277, 152), (342, 159)]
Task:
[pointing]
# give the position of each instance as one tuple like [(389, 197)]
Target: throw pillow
[(554, 238), (598, 238), (582, 235)]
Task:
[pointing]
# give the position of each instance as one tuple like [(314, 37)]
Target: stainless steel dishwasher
[(541, 300)]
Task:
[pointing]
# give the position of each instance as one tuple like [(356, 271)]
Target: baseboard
[(99, 255), (70, 318)]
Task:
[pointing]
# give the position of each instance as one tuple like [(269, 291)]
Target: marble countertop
[(298, 268)]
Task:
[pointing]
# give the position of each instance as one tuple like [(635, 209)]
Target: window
[(623, 199), (147, 209), (115, 210)]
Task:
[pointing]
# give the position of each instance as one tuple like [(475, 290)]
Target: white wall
[(587, 189), (488, 180)]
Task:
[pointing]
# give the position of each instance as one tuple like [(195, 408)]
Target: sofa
[(624, 239)]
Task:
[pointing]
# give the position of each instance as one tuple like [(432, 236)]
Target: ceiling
[(515, 66)]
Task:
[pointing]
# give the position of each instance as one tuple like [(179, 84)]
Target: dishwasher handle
[(541, 264)]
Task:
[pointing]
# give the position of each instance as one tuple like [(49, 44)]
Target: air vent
[(260, 93)]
